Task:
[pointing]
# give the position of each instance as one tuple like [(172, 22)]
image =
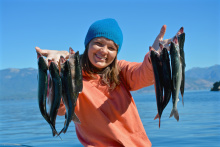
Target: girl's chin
[(100, 66)]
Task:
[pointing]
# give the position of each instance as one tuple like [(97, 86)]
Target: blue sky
[(59, 24)]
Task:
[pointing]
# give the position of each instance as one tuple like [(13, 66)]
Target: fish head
[(53, 68), (181, 36), (174, 46), (181, 30), (154, 55), (71, 56), (42, 64), (165, 54), (77, 56), (39, 55)]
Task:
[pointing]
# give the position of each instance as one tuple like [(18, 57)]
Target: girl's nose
[(105, 49)]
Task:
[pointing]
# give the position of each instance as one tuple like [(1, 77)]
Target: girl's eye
[(98, 43), (112, 49)]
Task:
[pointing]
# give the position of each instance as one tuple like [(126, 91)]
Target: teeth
[(100, 57)]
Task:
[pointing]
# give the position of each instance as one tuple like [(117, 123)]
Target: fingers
[(53, 55), (42, 52), (159, 40), (53, 59), (162, 32), (151, 48), (159, 37)]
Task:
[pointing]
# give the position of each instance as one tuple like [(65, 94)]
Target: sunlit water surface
[(22, 124)]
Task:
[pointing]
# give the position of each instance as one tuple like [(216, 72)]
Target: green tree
[(216, 86)]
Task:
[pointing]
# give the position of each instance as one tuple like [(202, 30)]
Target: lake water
[(22, 124)]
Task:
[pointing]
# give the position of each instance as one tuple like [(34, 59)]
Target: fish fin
[(61, 132), (54, 131), (159, 122), (156, 117), (76, 119), (181, 91), (182, 101), (60, 137), (64, 128), (175, 113)]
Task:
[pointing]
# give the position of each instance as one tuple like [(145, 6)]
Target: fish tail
[(182, 101), (175, 113), (157, 116), (159, 122), (61, 131), (64, 128), (76, 119), (54, 131), (59, 136)]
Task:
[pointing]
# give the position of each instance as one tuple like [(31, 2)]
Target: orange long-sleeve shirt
[(110, 118)]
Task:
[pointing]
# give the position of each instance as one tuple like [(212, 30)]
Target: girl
[(106, 109)]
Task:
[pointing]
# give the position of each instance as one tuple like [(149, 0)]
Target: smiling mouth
[(100, 57)]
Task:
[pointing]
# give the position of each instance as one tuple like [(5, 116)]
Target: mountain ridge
[(24, 81)]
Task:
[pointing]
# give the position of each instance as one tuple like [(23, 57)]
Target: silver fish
[(55, 92), (72, 66), (158, 78), (76, 74), (176, 76), (67, 95), (167, 85), (181, 40), (42, 90)]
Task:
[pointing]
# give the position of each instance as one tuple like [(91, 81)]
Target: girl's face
[(102, 52)]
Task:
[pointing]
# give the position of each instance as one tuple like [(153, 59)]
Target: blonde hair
[(109, 75)]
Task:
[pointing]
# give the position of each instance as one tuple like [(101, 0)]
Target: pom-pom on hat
[(107, 28)]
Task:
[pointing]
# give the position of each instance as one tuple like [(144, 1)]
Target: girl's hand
[(159, 38), (52, 55), (165, 43)]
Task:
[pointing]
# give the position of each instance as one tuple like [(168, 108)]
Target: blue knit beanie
[(107, 28)]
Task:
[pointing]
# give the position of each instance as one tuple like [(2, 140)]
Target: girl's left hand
[(159, 38)]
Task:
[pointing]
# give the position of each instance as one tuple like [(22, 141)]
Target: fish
[(158, 78), (78, 73), (72, 66), (176, 76), (55, 92), (68, 95), (167, 85), (166, 77), (181, 40), (42, 90)]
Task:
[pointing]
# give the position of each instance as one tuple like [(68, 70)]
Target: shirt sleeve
[(137, 75)]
